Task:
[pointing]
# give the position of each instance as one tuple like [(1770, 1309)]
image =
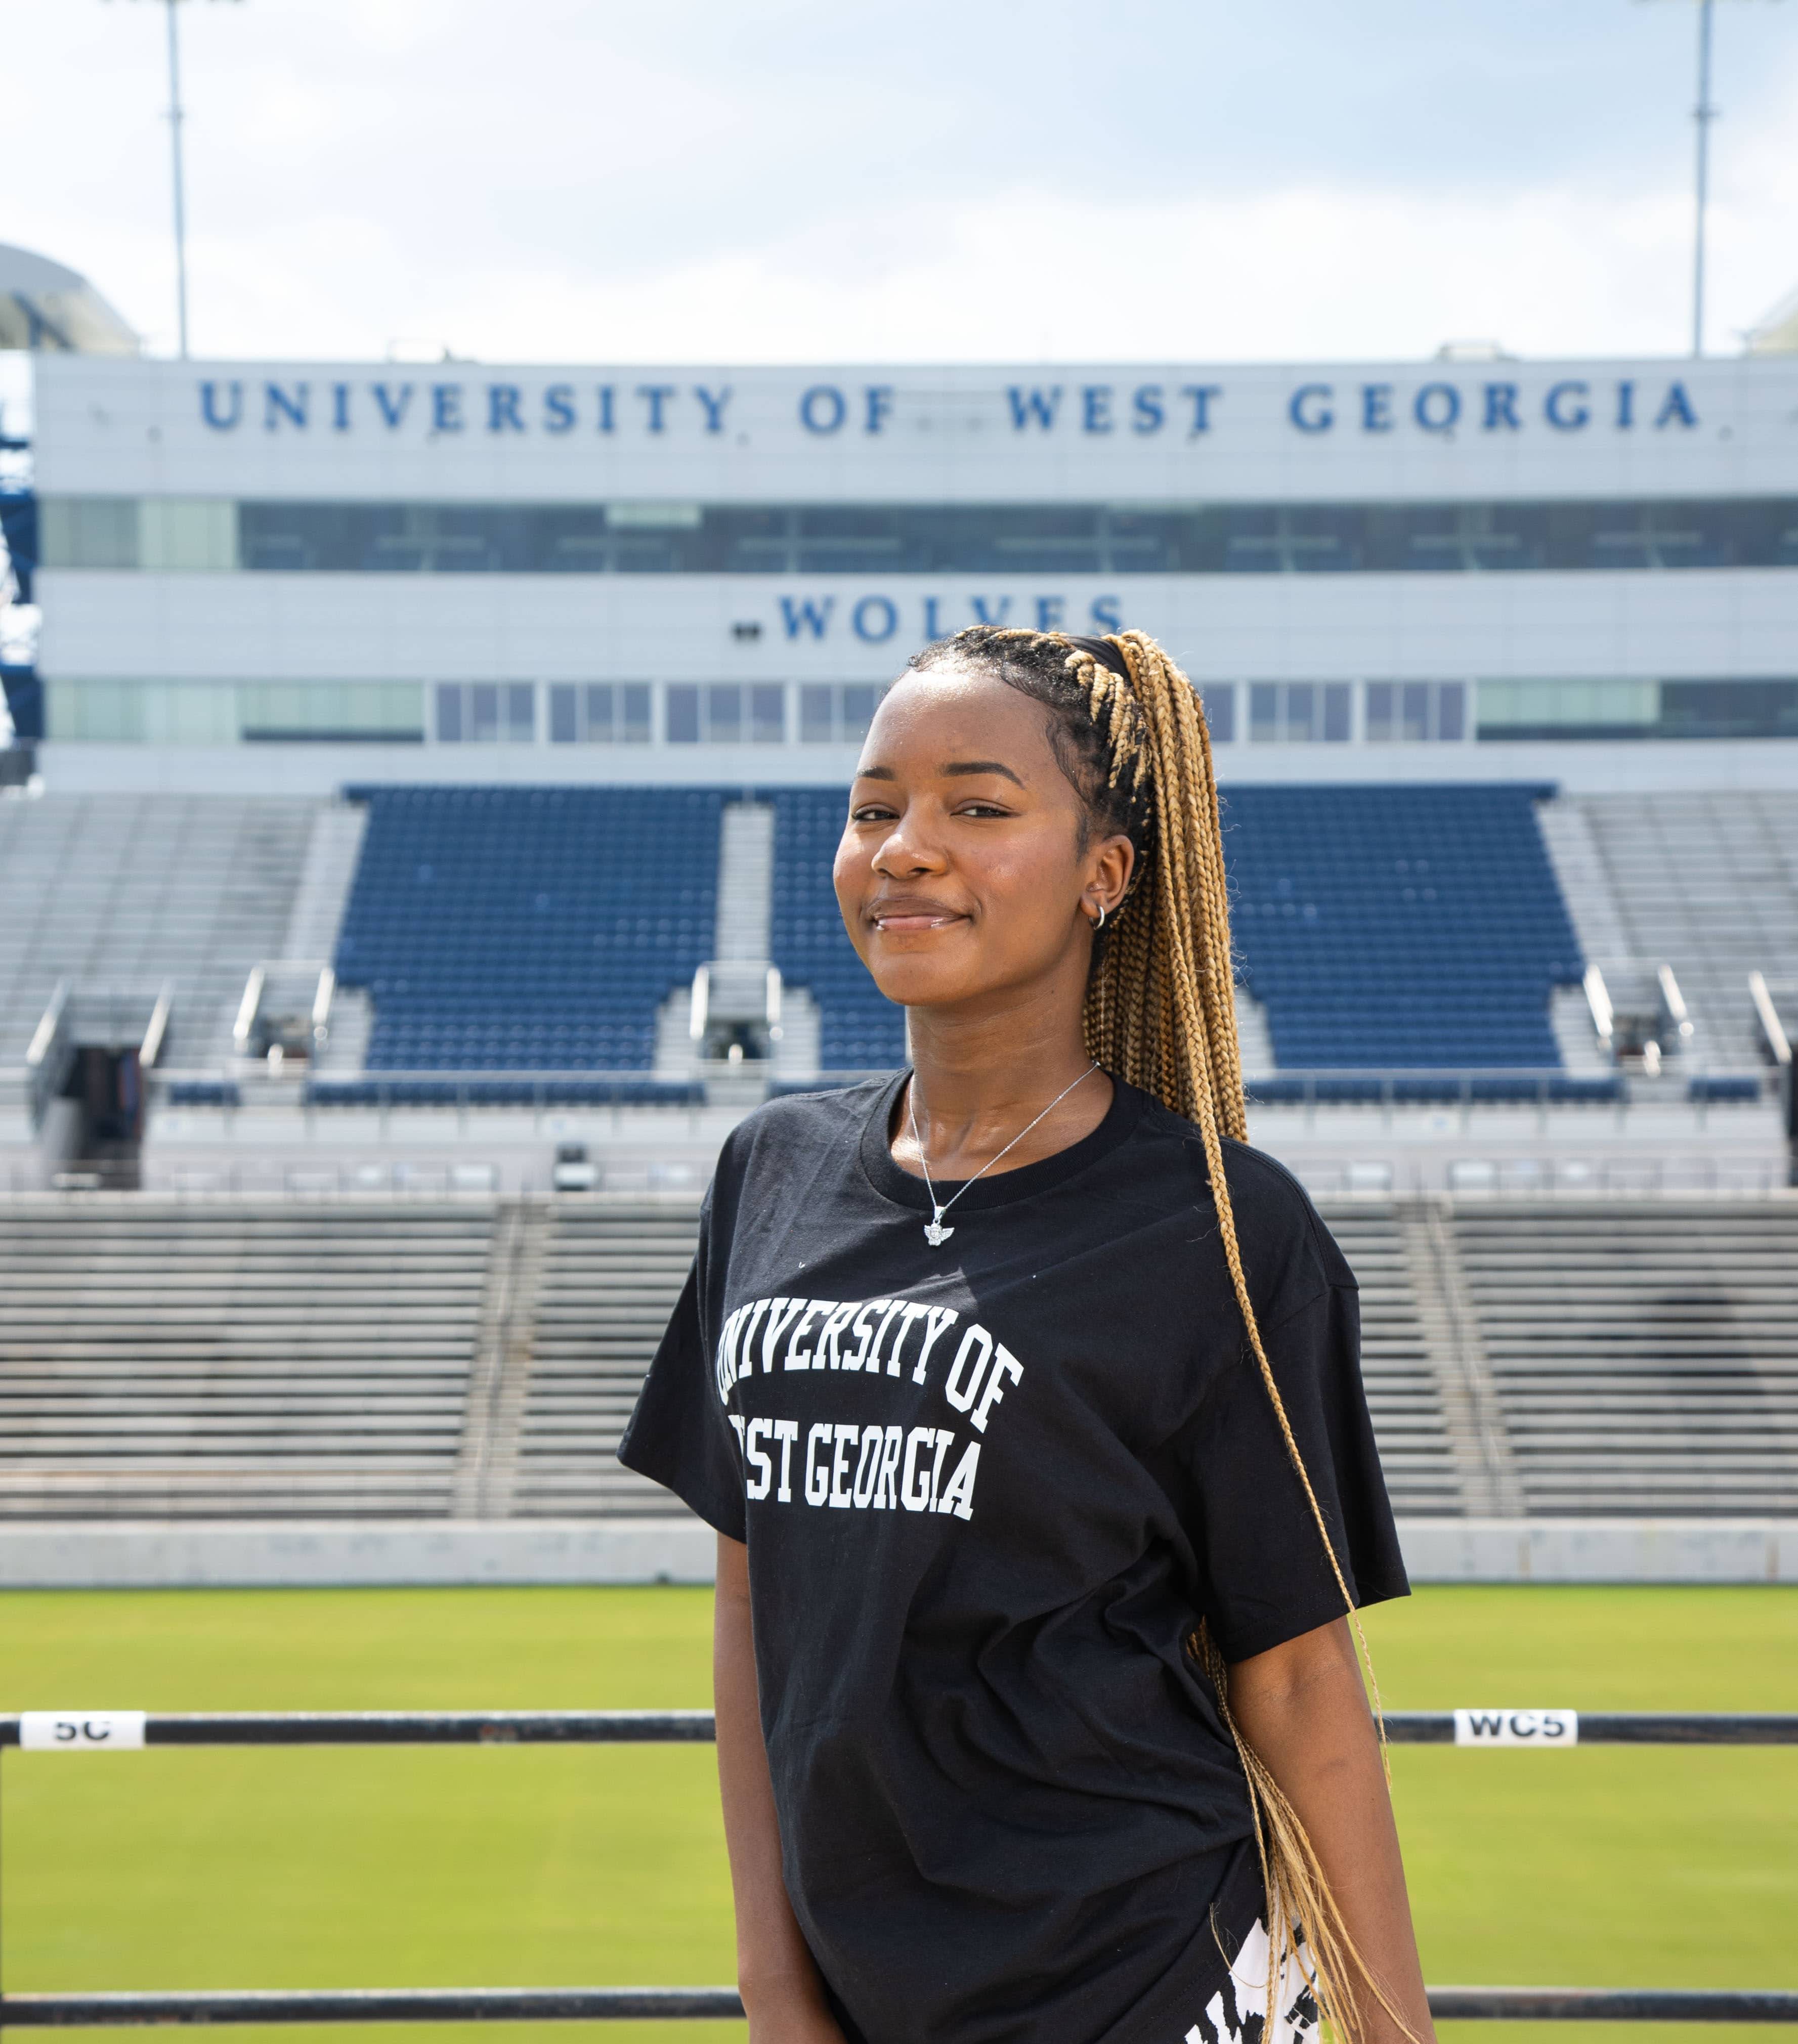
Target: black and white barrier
[(123, 1731), (86, 1731)]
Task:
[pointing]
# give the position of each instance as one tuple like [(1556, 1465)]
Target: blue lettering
[(656, 396), (446, 408), (1376, 408), (341, 407), (1147, 405), (1096, 408), (835, 409), (277, 402), (1309, 417), (1626, 405), (385, 403), (208, 406), (880, 406), (805, 616), (983, 616), (1501, 408), (1678, 406), (713, 406), (1436, 407), (933, 625), (1201, 395), (1106, 614), (1051, 611), (1028, 405), (607, 418), (1565, 421), (559, 408), (874, 606), (502, 408)]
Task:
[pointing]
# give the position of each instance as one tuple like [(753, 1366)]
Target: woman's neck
[(979, 1081)]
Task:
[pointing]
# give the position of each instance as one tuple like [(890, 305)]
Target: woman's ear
[(1113, 861)]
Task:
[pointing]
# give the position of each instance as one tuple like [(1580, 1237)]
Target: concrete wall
[(161, 1554)]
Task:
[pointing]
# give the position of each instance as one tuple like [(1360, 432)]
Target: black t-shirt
[(987, 1490)]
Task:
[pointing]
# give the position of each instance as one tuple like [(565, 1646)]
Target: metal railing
[(78, 1732)]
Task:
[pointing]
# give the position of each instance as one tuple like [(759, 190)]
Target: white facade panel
[(464, 431), (1695, 624)]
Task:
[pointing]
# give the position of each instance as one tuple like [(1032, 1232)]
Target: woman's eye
[(982, 809), (870, 813)]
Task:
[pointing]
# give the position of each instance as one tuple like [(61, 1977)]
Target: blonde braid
[(1161, 1013)]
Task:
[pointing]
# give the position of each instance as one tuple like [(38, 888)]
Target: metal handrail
[(131, 2009), (698, 1728), (615, 2004)]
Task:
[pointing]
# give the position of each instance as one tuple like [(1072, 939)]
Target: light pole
[(1703, 115), (181, 203), (176, 116)]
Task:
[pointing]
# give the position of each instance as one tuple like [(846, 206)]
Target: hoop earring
[(1100, 923)]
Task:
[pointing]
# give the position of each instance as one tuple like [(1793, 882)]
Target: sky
[(945, 180)]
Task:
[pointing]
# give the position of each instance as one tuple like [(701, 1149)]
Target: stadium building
[(1419, 571), (437, 769)]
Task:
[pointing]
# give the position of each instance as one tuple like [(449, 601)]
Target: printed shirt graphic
[(987, 1490)]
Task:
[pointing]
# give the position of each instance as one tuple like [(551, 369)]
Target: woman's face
[(961, 873)]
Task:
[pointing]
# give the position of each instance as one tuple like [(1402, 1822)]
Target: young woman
[(1025, 1400)]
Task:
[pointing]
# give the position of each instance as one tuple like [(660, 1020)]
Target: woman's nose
[(905, 852)]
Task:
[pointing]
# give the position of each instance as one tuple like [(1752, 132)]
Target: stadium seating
[(610, 1278), (527, 928), (1403, 1393), (478, 1358), (199, 1359), (120, 894), (1644, 1354), (1398, 927), (1705, 882), (1381, 927)]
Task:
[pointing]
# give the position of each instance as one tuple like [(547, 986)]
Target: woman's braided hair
[(1128, 730)]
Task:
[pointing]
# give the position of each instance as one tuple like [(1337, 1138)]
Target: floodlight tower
[(175, 117), (1703, 115)]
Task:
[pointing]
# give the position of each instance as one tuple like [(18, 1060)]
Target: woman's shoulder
[(797, 1125), (1276, 1224)]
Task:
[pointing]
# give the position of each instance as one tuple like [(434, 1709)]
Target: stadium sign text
[(1437, 407), (875, 619)]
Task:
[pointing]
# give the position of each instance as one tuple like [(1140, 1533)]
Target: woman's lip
[(915, 921)]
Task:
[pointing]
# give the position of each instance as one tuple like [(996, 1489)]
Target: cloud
[(790, 182), (1307, 273)]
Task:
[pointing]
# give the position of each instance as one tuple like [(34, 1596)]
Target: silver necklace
[(935, 1233)]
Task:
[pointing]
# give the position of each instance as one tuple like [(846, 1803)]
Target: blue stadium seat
[(521, 929), (1401, 927), (1383, 927)]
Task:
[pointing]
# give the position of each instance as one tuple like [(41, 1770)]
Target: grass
[(238, 1868)]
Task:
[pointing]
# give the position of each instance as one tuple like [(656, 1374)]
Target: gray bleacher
[(122, 892), (162, 1359), (1415, 1448), (477, 1359), (1707, 883), (1644, 1354), (610, 1280)]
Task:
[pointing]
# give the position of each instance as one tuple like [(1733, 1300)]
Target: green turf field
[(233, 1868)]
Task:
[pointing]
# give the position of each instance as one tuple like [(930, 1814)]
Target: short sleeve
[(1264, 1575), (680, 1435)]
